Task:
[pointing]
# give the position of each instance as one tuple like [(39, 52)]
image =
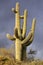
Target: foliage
[(31, 54)]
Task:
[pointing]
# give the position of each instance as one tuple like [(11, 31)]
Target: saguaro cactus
[(20, 39)]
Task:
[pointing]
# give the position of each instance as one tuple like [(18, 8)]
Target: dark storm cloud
[(35, 9)]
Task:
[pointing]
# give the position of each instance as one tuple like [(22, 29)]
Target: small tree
[(31, 54)]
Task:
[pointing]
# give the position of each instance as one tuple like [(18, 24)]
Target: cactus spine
[(20, 38)]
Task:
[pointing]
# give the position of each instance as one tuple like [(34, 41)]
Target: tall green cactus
[(19, 37)]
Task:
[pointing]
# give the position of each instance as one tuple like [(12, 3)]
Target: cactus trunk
[(23, 55), (20, 50)]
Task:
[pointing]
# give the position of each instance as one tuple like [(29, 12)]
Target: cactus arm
[(33, 25), (13, 9), (27, 39), (33, 29), (10, 37), (30, 41), (21, 17), (24, 23)]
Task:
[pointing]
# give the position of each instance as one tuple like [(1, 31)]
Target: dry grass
[(7, 59)]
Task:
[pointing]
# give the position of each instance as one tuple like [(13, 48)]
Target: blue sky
[(7, 20)]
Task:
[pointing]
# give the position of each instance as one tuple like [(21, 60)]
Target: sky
[(7, 22)]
